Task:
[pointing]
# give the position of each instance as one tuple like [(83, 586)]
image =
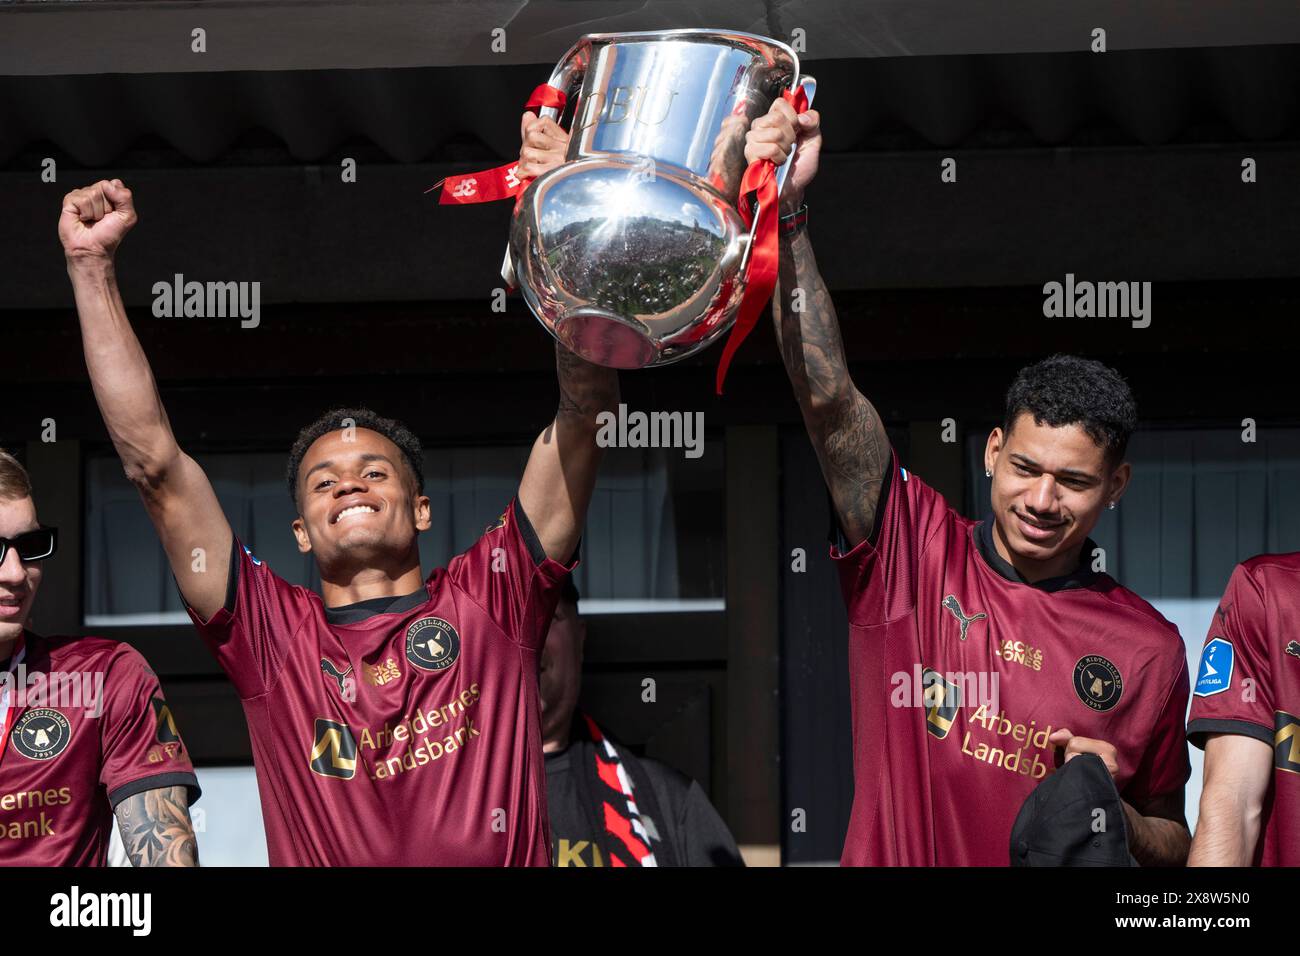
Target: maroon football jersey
[(403, 731), (960, 671), (1249, 683), (95, 729)]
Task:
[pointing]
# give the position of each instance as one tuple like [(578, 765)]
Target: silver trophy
[(632, 253)]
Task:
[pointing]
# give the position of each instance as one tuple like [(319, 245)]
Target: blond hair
[(14, 480)]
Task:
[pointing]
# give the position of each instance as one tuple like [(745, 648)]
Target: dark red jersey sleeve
[(140, 744), (250, 634), (1165, 764), (878, 576), (509, 576), (1233, 692)]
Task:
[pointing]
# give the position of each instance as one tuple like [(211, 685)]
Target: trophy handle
[(809, 85), (568, 73)]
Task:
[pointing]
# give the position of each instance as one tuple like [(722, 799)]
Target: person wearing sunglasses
[(85, 732)]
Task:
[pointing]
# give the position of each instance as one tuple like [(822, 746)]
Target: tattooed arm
[(561, 472), (845, 429), (156, 830)]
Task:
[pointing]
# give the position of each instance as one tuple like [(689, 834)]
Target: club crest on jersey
[(964, 621), (1215, 672), (1286, 742), (41, 734), (1098, 682), (333, 750), (432, 644)]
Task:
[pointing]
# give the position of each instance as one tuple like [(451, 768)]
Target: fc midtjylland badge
[(42, 734), (1098, 682), (432, 644)]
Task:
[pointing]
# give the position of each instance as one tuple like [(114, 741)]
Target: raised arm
[(156, 829), (561, 471), (845, 429), (176, 492), (1238, 770)]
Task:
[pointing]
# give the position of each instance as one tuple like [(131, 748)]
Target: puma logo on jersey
[(1293, 648), (346, 687), (953, 605)]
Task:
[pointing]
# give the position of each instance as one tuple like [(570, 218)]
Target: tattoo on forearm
[(156, 830), (846, 431), (585, 389)]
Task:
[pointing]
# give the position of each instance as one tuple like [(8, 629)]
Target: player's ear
[(992, 448), (300, 533), (423, 514), (1118, 483)]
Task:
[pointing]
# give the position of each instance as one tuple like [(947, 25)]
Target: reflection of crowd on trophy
[(650, 266)]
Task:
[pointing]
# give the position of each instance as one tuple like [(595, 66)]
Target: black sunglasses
[(31, 545)]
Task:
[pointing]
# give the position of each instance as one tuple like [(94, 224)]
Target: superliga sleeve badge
[(1214, 676)]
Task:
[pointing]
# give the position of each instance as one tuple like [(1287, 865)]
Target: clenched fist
[(94, 220)]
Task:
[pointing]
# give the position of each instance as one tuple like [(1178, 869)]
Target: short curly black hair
[(340, 418), (1069, 390)]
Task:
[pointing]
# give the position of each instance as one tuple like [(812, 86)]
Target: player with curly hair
[(394, 716)]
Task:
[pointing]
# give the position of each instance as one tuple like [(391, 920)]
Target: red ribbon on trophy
[(764, 255), (501, 182)]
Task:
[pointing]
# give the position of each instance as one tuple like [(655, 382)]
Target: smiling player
[(394, 716), (85, 732), (1024, 652), (1024, 655)]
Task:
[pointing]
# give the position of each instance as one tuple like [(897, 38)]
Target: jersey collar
[(1081, 577), (356, 613)]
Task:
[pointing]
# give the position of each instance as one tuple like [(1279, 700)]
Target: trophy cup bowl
[(632, 252)]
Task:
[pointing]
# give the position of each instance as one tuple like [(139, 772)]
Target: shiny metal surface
[(631, 253)]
